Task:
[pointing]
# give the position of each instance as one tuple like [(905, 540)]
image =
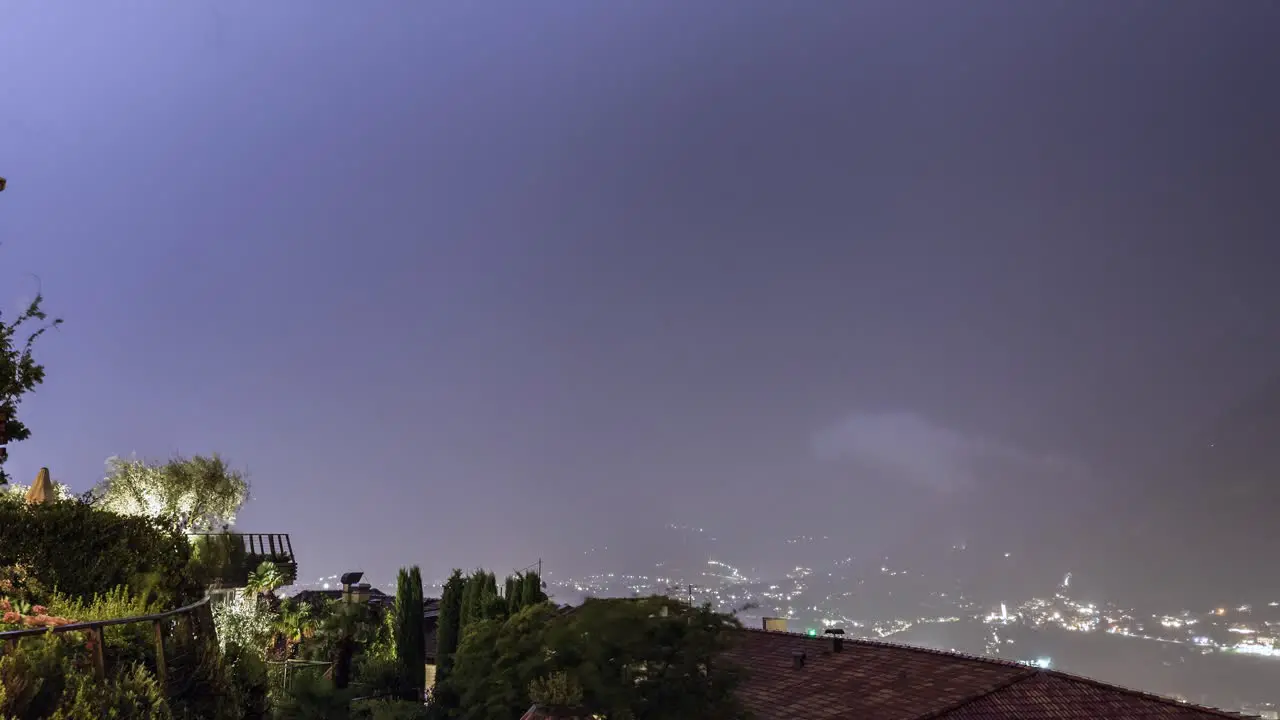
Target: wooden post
[(161, 670), (99, 662)]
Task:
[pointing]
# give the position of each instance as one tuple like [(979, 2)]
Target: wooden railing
[(197, 615), (271, 545)]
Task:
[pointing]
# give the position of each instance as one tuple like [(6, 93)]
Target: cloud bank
[(906, 447)]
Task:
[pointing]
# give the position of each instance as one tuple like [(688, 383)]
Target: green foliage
[(411, 652), (512, 591), (265, 578), (480, 599), (20, 374), (49, 677), (383, 643), (531, 590), (124, 644), (200, 493), (202, 684), (448, 628), (248, 675), (133, 693), (360, 623), (470, 612), (385, 709), (313, 697), (497, 661), (557, 690), (647, 659), (295, 623), (244, 621), (34, 675), (80, 550), (216, 557)]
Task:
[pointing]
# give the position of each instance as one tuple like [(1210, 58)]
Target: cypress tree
[(449, 629), (531, 593), (470, 596), (411, 654), (515, 593)]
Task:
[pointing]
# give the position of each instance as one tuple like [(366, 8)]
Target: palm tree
[(265, 579), (295, 624)]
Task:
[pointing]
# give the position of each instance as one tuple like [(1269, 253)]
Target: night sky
[(466, 283)]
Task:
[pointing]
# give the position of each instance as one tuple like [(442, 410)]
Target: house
[(811, 678), (317, 598), (430, 628)]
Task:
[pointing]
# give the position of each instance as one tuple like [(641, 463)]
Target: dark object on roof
[(880, 681)]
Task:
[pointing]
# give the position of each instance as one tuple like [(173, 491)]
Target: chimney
[(773, 624), (837, 639), (797, 659), (349, 584)]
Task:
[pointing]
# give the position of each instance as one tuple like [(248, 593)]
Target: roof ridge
[(1029, 673), (1138, 693), (899, 646), (1003, 685)]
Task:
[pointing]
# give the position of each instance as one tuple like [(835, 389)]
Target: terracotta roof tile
[(867, 680), (1048, 695), (882, 681)]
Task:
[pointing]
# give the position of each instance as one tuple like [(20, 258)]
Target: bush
[(389, 710), (245, 622), (50, 677), (124, 644), (34, 675), (79, 550), (248, 675), (381, 676), (312, 696), (134, 693)]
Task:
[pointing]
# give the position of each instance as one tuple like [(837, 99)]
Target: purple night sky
[(466, 283)]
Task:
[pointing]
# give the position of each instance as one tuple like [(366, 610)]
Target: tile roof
[(881, 681)]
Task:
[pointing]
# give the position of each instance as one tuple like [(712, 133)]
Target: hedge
[(80, 551)]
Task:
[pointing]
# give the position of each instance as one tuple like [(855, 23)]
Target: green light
[(811, 632)]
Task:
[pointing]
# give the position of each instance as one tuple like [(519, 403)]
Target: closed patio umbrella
[(42, 489)]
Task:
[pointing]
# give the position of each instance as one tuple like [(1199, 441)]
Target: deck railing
[(196, 616)]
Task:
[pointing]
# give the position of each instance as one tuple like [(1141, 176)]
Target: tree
[(448, 632), (265, 579), (19, 372), (653, 658), (514, 593), (201, 493), (478, 597), (647, 659), (411, 654), (531, 591), (498, 661)]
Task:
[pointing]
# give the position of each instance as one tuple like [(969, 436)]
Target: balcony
[(224, 560)]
